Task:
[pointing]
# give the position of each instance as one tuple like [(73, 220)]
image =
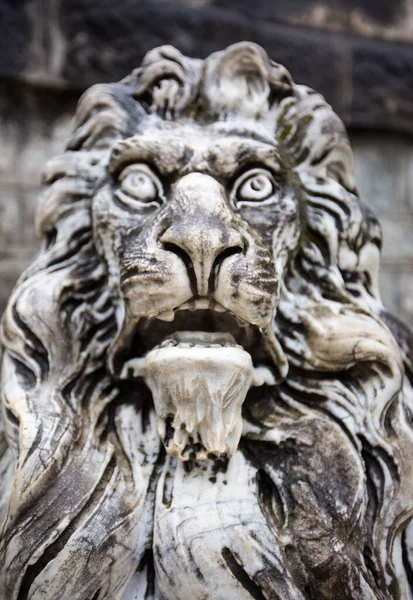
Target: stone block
[(389, 289), (10, 271), (381, 169), (382, 84), (409, 178), (15, 33), (18, 239), (406, 297), (72, 44), (33, 127), (397, 241)]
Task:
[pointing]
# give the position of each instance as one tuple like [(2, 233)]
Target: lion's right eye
[(139, 185)]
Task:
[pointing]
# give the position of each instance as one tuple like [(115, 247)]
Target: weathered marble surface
[(202, 394)]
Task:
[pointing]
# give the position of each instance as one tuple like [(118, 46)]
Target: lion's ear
[(242, 80), (167, 82), (104, 114), (239, 81)]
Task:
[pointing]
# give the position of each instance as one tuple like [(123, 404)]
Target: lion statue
[(203, 397)]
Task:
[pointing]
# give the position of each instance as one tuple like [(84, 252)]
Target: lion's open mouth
[(200, 322), (199, 362)]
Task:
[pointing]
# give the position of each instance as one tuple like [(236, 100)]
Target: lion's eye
[(139, 185), (255, 186)]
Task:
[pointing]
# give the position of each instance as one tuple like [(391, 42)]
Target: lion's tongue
[(198, 387)]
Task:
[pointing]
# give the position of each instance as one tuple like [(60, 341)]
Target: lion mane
[(80, 456)]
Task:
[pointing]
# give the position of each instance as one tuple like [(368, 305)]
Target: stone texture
[(382, 77), (33, 126), (406, 293), (384, 174), (381, 170), (390, 284), (51, 51), (15, 37), (408, 204), (275, 458), (369, 18), (74, 43), (397, 241)]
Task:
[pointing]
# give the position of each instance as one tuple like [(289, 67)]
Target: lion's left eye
[(139, 185), (255, 186)]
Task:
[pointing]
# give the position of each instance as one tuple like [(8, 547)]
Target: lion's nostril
[(186, 259), (218, 262)]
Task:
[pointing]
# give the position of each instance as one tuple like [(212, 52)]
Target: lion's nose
[(202, 266), (202, 234)]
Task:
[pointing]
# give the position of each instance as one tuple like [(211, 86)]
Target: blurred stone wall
[(358, 53), (384, 175)]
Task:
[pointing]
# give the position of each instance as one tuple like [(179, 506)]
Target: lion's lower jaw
[(198, 394)]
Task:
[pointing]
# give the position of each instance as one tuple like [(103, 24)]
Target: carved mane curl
[(78, 480)]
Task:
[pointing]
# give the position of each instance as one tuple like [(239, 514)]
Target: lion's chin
[(199, 382)]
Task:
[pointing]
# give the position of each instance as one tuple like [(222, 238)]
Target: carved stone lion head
[(202, 394)]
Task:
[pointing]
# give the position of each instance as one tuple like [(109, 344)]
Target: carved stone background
[(359, 54)]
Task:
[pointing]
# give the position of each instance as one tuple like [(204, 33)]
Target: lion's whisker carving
[(202, 394)]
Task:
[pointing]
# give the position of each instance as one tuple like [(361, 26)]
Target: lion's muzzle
[(199, 290)]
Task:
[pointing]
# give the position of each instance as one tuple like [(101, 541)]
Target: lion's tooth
[(185, 306), (168, 343), (219, 308), (202, 303), (262, 376), (168, 315), (135, 366)]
